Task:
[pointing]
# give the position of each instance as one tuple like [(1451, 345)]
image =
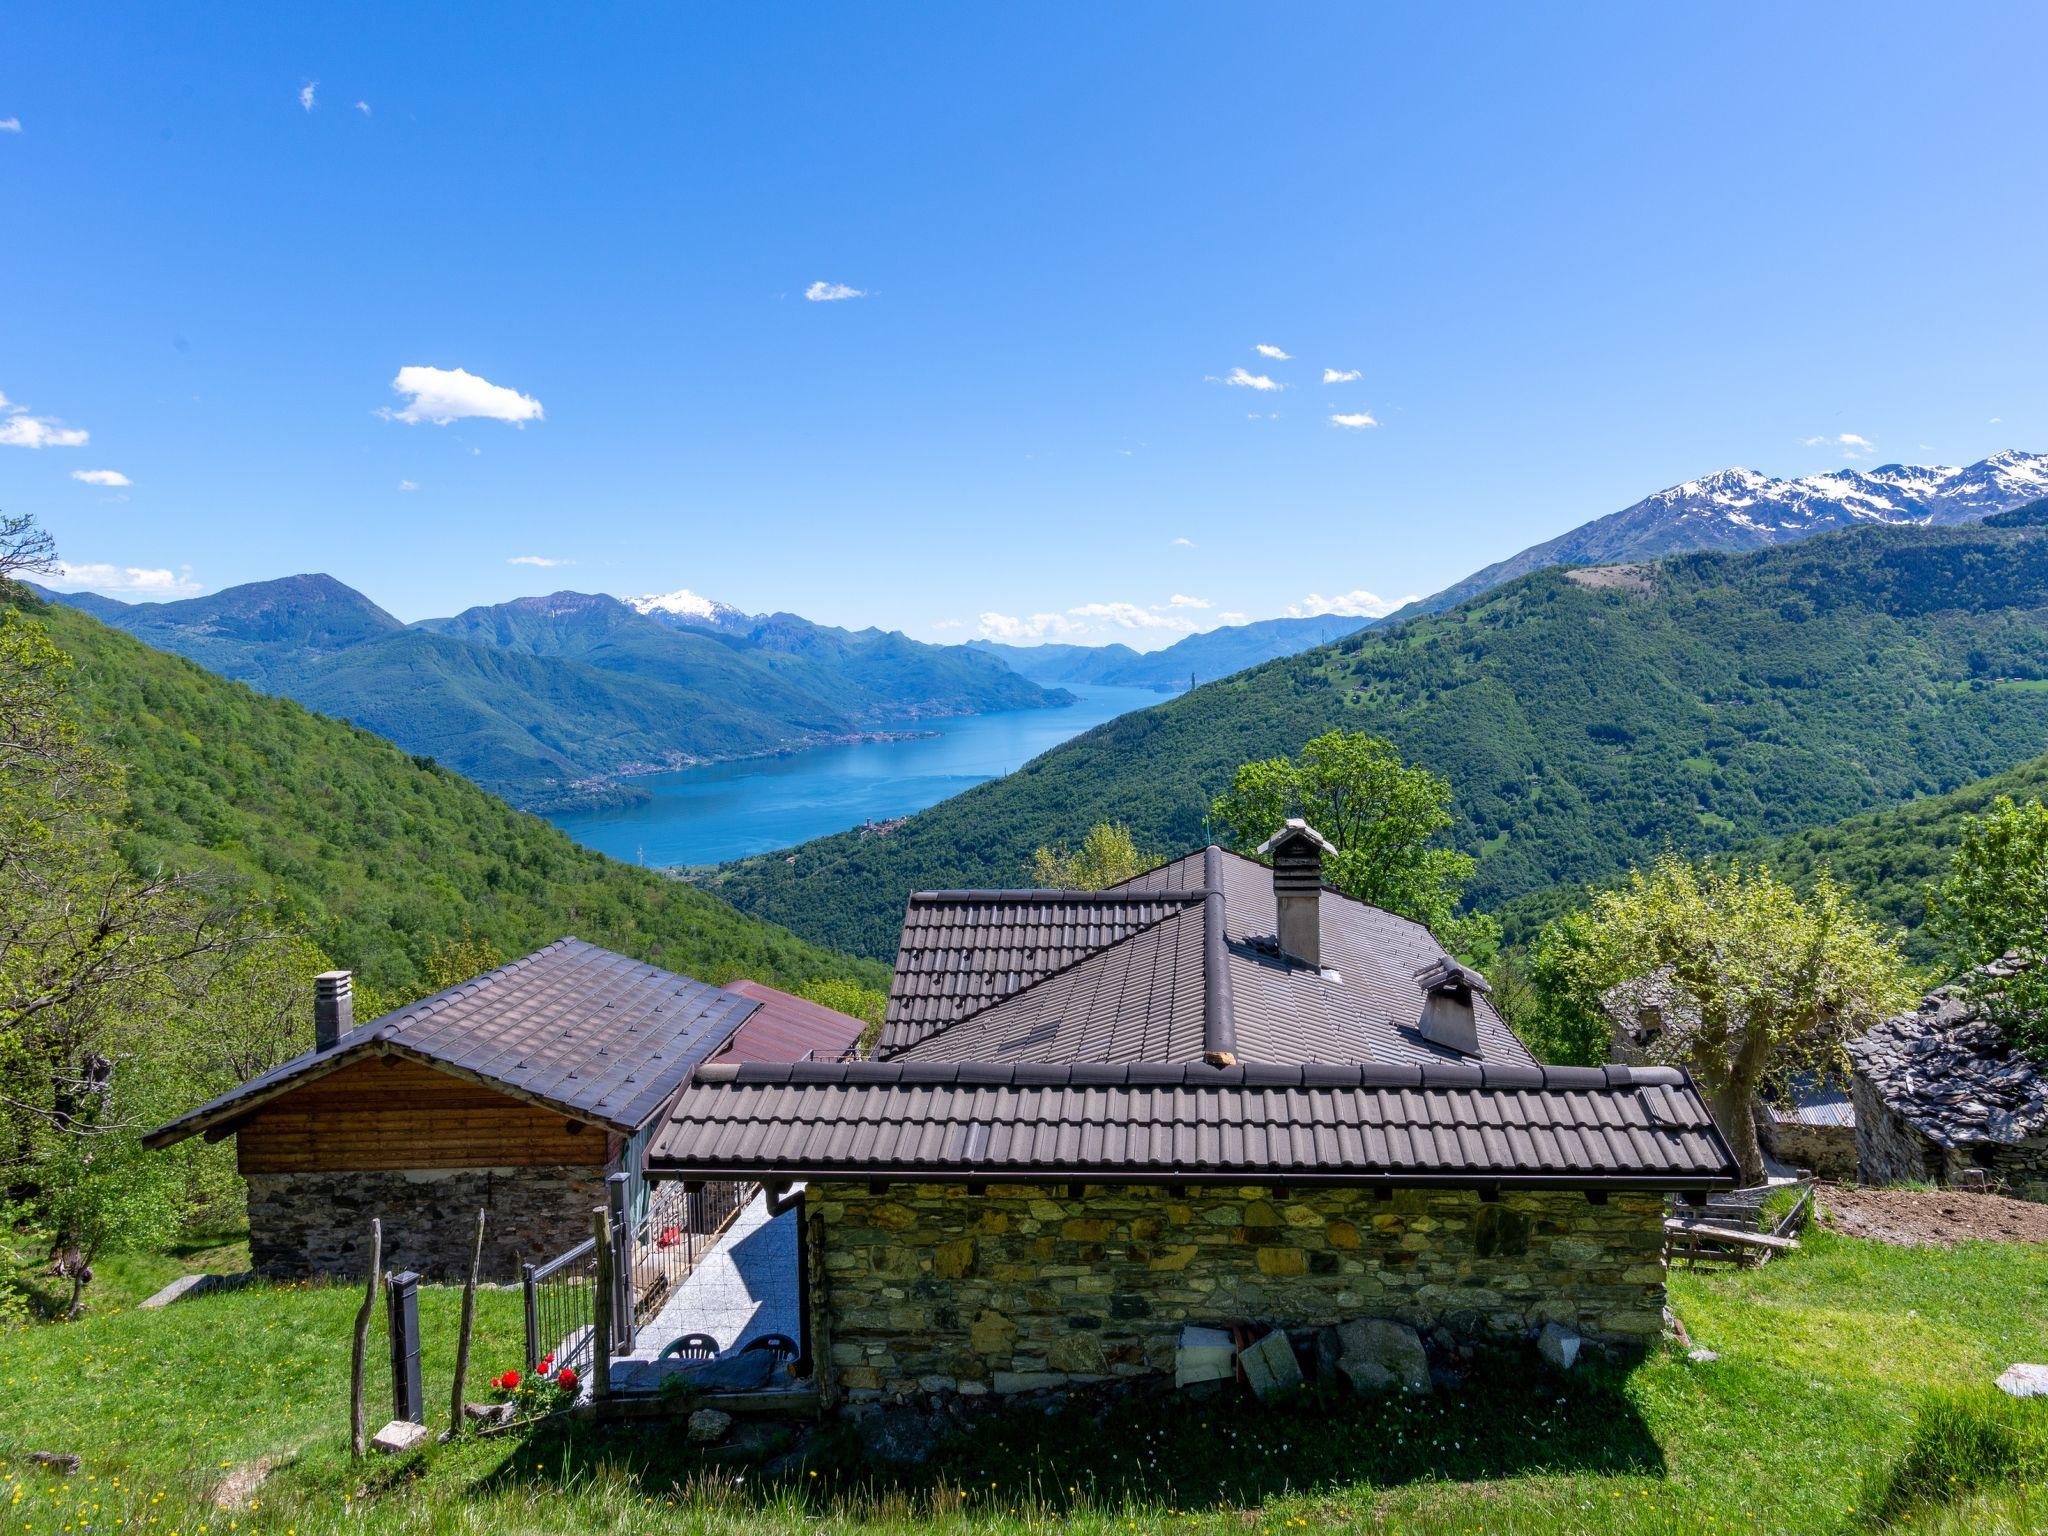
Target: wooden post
[(601, 1306), (476, 1264), (358, 1445)]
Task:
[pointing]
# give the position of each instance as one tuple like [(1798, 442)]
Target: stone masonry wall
[(1890, 1151), (319, 1223), (926, 1288)]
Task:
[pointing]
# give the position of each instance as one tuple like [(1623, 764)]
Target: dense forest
[(377, 856), (1585, 720)]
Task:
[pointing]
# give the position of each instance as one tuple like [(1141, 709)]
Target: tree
[(1727, 971), (108, 980), (1384, 818), (1108, 856), (1993, 902), (24, 547), (853, 1000)]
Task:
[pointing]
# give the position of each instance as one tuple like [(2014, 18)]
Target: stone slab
[(398, 1437), (1204, 1354), (1269, 1365), (2024, 1381)]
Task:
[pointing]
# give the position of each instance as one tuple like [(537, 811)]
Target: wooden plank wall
[(395, 1114)]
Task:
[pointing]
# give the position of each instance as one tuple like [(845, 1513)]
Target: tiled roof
[(965, 950), (1951, 1073), (1364, 1005), (593, 1034), (1184, 1123), (789, 1028)]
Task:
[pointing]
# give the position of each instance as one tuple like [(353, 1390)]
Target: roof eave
[(1648, 1183)]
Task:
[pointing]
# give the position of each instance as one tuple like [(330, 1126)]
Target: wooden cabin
[(518, 1093)]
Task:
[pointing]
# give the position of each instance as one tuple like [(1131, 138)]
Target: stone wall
[(926, 1288), (319, 1223), (1889, 1150), (1828, 1150)]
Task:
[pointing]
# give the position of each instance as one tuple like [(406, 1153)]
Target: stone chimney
[(1297, 851), (334, 1008)]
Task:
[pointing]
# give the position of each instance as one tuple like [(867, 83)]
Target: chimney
[(1297, 851), (1449, 1017), (334, 1008)]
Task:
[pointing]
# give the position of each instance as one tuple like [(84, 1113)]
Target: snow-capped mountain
[(685, 607), (1739, 509)]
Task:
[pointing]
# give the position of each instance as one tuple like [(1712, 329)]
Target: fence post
[(601, 1306), (408, 1398), (526, 1283), (619, 1195)]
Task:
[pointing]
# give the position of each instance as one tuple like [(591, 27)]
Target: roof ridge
[(1038, 981), (1488, 1077), (1114, 895)]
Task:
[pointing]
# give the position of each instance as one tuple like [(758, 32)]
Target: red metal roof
[(789, 1028)]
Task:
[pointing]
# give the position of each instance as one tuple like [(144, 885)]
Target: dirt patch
[(1914, 1217), (1627, 578), (236, 1489)]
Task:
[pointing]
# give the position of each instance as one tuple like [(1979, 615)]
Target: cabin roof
[(595, 1035), (790, 1028)]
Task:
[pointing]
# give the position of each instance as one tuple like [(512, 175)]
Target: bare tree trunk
[(1735, 1115), (358, 1445), (476, 1264)]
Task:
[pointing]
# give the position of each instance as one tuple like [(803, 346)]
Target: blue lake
[(728, 810)]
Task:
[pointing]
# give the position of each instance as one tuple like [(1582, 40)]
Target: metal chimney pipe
[(334, 1008)]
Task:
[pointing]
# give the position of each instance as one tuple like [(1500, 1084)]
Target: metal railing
[(561, 1308), (651, 1258)]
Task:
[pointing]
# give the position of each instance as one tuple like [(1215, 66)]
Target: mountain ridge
[(1704, 701)]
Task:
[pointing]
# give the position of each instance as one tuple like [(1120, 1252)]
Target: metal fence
[(680, 1227), (651, 1258), (561, 1308)]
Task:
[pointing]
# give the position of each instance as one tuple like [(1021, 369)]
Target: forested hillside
[(1584, 719), (377, 855)]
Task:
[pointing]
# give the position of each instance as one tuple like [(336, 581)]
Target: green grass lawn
[(1826, 1357)]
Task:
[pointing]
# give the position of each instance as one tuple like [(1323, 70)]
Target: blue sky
[(1573, 253)]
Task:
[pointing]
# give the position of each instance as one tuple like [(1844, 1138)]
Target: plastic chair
[(780, 1345), (693, 1346)]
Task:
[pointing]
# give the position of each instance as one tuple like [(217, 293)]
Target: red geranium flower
[(547, 1364), (566, 1379), (509, 1382)]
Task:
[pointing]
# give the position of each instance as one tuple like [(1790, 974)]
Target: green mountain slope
[(536, 697), (372, 852), (1584, 718), (1890, 857)]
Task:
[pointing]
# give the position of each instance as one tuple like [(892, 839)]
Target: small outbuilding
[(517, 1092), (1941, 1094)]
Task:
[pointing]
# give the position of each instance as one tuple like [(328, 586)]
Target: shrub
[(1961, 1442)]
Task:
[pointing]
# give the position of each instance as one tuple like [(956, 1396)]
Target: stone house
[(1939, 1093), (517, 1092), (1218, 1093)]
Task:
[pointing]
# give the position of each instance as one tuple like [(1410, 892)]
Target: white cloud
[(1182, 600), (540, 560), (946, 624), (1352, 419), (1996, 421), (1131, 616), (1037, 626), (109, 477), (1852, 444), (363, 107), (1267, 349), (10, 125), (1341, 375), (306, 94), (1183, 543), (442, 395), (1247, 380), (408, 485), (1359, 604), (827, 293), (123, 580), (18, 429)]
